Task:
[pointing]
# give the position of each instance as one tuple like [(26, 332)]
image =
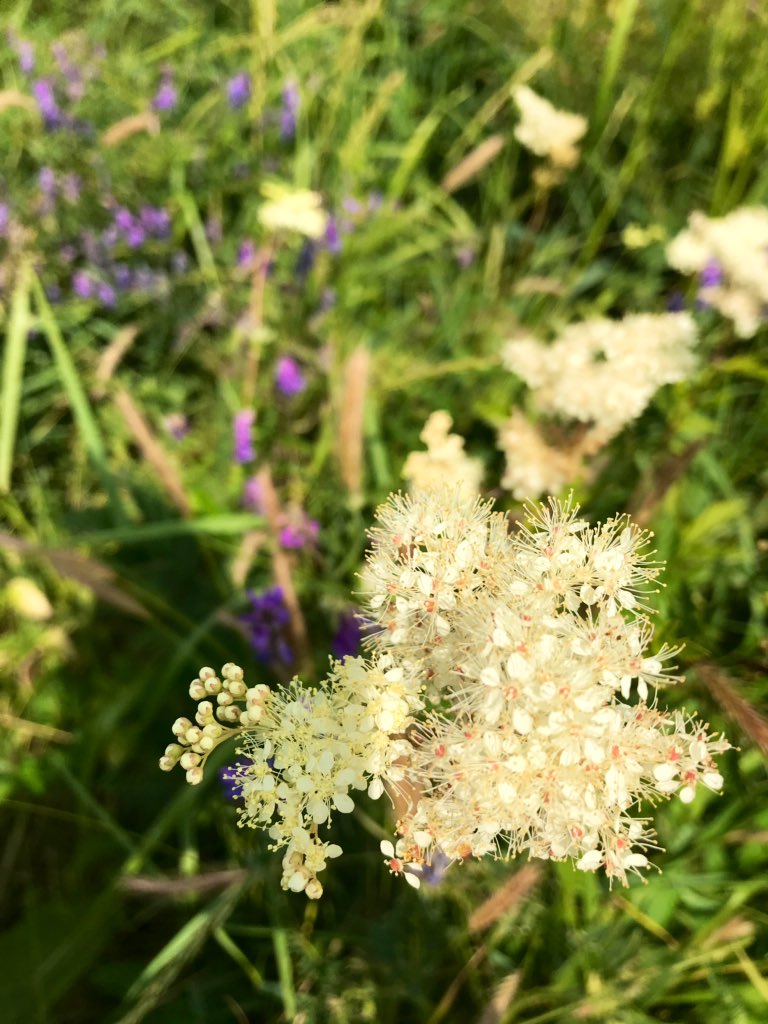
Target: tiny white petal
[(413, 880)]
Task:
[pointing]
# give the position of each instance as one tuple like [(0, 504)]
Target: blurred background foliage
[(126, 548)]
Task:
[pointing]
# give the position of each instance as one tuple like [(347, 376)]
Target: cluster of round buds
[(220, 715)]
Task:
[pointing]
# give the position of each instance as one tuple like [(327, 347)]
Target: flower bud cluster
[(508, 702)]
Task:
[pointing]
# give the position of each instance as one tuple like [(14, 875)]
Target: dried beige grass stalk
[(472, 163), (351, 419), (123, 129), (725, 692), (507, 898), (112, 356), (152, 451), (501, 999), (10, 98)]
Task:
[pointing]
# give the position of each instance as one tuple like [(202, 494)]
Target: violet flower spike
[(166, 96), (289, 379), (242, 427), (239, 90), (289, 110)]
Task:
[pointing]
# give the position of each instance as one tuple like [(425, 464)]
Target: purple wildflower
[(252, 496), (246, 254), (135, 236), (123, 219), (231, 779), (306, 259), (177, 425), (42, 90), (434, 872), (712, 275), (288, 377), (180, 262), (123, 276), (106, 295), (465, 256), (214, 230), (46, 179), (676, 302), (25, 51), (352, 206), (239, 90), (289, 110), (53, 293), (295, 536), (5, 217), (70, 188), (348, 636), (266, 623), (82, 284), (166, 96), (332, 237), (242, 426), (68, 253), (155, 220)]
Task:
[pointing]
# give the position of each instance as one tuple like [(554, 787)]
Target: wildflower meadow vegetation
[(403, 365)]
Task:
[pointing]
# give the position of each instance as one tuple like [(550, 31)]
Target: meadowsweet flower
[(288, 377), (547, 131), (239, 90), (534, 467), (605, 372), (730, 255), (242, 426), (289, 209), (508, 700), (444, 461)]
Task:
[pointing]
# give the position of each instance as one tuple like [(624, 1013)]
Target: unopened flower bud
[(225, 698), (206, 744), (174, 750), (189, 760), (196, 690), (167, 764), (180, 726), (193, 735), (229, 714), (314, 889), (213, 729), (195, 776), (204, 712), (237, 688), (213, 685), (206, 673), (231, 671)]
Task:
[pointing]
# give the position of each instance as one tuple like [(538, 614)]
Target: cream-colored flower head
[(605, 372), (290, 209), (547, 131), (508, 703), (734, 250), (444, 463), (533, 466)]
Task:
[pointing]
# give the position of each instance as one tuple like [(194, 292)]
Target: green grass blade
[(85, 419), (13, 371)]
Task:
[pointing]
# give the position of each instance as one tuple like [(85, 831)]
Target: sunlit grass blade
[(13, 371)]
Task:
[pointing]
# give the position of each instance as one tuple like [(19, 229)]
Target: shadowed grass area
[(127, 896)]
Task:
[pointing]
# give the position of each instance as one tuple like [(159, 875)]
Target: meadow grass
[(128, 896)]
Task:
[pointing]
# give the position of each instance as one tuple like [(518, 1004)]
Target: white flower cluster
[(547, 131), (601, 373), (731, 255), (444, 461), (494, 705), (533, 466)]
